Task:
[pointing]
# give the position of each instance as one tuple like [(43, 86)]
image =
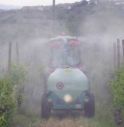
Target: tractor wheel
[(89, 107), (45, 107)]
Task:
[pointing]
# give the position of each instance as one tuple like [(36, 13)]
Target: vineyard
[(24, 36)]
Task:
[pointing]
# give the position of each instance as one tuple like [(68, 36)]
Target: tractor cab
[(64, 52), (67, 88)]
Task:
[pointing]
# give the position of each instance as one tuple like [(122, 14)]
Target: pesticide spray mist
[(97, 34)]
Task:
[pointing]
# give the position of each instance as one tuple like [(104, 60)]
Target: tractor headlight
[(50, 100), (68, 98), (86, 99)]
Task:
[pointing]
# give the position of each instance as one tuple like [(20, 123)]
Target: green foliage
[(7, 102), (10, 85), (117, 86), (24, 120), (17, 74)]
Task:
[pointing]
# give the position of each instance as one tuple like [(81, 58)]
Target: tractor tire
[(45, 108), (89, 107)]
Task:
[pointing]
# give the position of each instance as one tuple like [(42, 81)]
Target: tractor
[(67, 88)]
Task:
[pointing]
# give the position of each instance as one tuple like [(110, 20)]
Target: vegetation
[(117, 86), (17, 77), (17, 74), (79, 19), (23, 120), (8, 100)]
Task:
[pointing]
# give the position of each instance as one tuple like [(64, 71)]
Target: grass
[(21, 120), (103, 118)]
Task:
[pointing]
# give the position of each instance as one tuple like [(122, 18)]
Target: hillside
[(36, 22)]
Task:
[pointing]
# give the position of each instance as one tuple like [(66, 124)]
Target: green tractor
[(66, 88)]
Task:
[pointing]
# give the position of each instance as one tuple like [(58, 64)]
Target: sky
[(33, 2)]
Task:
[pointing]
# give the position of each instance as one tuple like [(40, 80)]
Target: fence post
[(123, 49), (9, 57), (115, 55), (118, 53), (17, 53)]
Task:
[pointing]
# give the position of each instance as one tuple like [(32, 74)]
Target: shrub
[(17, 77), (117, 86), (17, 74), (10, 86), (7, 103)]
